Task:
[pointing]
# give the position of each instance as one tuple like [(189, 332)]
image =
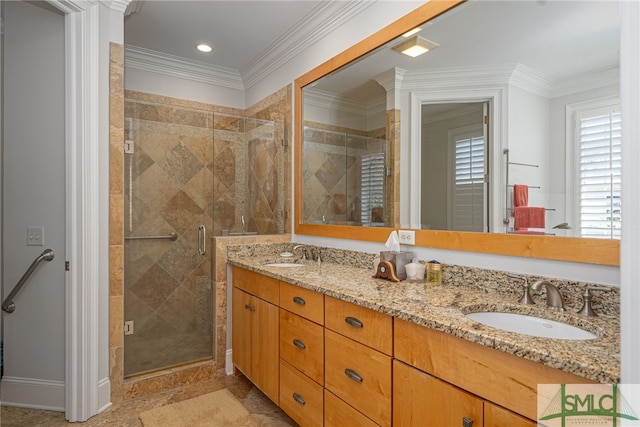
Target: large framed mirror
[(385, 162)]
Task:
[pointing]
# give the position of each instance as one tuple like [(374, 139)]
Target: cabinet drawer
[(304, 302), (302, 345), (359, 375), (495, 416), (494, 375), (362, 324), (338, 414), (300, 397), (419, 399), (264, 287)]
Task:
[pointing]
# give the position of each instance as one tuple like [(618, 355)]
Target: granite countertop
[(443, 308)]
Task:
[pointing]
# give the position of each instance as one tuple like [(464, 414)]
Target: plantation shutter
[(372, 193), (469, 183), (600, 174)]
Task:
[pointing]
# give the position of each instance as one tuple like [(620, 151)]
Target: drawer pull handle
[(353, 375), (467, 422), (353, 322), (298, 398), (299, 344), (299, 300)]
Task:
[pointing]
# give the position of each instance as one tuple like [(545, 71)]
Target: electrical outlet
[(128, 327), (407, 237)]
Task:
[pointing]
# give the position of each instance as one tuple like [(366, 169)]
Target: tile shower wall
[(168, 190), (331, 175), (232, 174)]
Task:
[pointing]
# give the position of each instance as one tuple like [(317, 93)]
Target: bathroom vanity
[(333, 346)]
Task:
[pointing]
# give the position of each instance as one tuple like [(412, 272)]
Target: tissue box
[(399, 260)]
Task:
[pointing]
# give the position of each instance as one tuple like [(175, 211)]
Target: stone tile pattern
[(168, 189), (126, 413), (464, 290), (269, 204), (232, 174), (116, 220), (331, 181)]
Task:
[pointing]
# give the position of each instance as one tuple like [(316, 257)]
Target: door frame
[(496, 98), (88, 31)]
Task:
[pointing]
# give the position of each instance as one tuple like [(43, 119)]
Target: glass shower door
[(168, 221)]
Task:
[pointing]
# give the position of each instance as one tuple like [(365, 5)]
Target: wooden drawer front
[(304, 302), (302, 345), (502, 378), (359, 375), (264, 287), (495, 416), (338, 414), (361, 324), (300, 397), (420, 400)]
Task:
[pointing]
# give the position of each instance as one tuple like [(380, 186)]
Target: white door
[(33, 195)]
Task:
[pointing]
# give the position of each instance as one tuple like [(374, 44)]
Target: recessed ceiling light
[(415, 46), (203, 47)]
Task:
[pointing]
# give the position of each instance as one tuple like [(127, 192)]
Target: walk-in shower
[(190, 174)]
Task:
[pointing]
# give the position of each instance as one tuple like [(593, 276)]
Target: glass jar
[(434, 272)]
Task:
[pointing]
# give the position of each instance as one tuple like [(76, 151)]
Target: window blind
[(372, 192), (600, 175), (469, 183)]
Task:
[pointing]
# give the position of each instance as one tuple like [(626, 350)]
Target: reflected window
[(468, 206), (599, 172)]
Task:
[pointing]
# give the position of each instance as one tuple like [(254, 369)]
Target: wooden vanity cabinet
[(302, 354), (420, 400), (358, 362), (508, 381), (255, 325)]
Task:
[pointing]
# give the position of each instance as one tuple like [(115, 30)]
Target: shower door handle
[(202, 240)]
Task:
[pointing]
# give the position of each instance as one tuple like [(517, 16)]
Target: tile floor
[(125, 414)]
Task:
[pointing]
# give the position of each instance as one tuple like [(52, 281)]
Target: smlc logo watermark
[(592, 405)]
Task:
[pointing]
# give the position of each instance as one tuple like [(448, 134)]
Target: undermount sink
[(284, 264), (531, 325)]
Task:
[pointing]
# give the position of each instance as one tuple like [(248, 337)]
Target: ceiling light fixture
[(203, 47), (415, 46), (412, 32)]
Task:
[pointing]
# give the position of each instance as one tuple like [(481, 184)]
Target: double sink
[(512, 322)]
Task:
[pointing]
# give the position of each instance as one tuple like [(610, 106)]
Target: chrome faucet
[(554, 297), (243, 223), (305, 251)]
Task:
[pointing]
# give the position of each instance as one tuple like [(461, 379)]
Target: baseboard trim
[(33, 393), (228, 363), (104, 394)]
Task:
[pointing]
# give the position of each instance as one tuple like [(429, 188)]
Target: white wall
[(34, 195)]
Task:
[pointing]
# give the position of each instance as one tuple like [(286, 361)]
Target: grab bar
[(8, 305), (172, 236)]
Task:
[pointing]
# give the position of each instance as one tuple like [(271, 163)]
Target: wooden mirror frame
[(572, 249)]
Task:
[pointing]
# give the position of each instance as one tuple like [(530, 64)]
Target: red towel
[(528, 217), (520, 195)]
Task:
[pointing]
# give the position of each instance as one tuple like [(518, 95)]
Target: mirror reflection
[(510, 95)]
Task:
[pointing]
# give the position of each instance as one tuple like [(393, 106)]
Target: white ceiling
[(239, 31), (556, 38)]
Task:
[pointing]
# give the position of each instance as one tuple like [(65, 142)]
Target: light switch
[(35, 236)]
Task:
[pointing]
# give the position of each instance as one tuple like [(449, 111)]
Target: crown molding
[(117, 5), (587, 81), (317, 24), (331, 101), (161, 63)]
